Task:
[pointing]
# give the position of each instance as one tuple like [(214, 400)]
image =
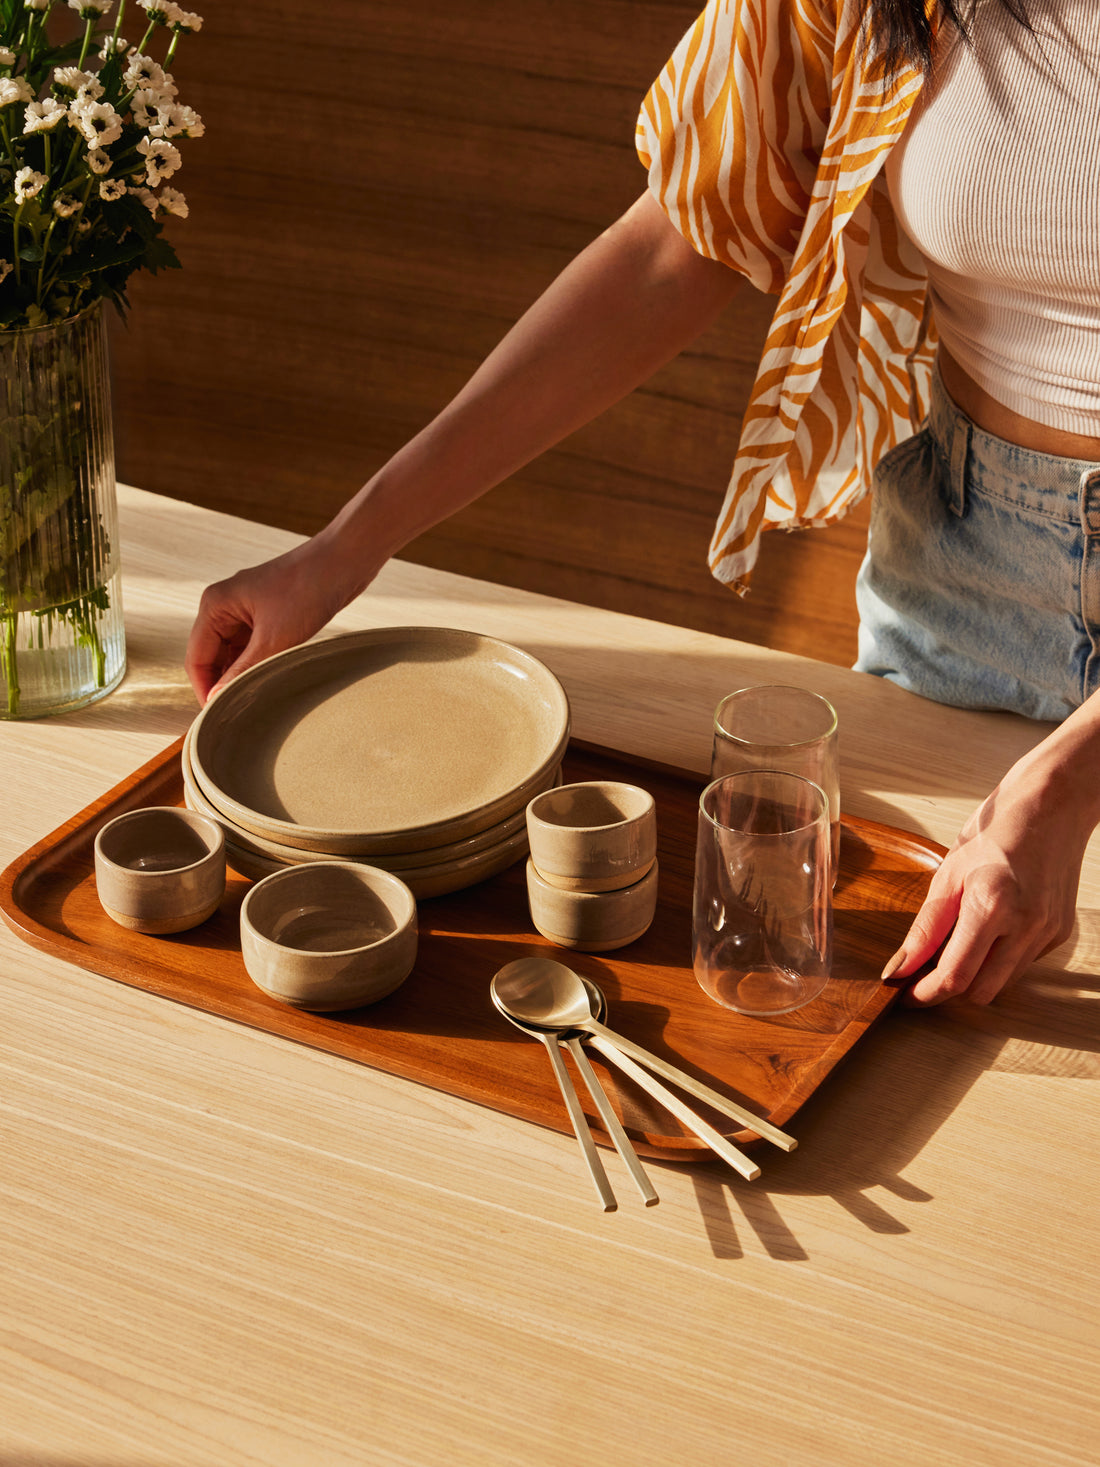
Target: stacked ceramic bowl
[(592, 872), (412, 749)]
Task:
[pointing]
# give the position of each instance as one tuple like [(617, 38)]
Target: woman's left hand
[(1006, 892)]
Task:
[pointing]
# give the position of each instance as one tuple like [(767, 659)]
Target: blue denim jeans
[(981, 583)]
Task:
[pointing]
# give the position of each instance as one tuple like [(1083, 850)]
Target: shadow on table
[(872, 1119)]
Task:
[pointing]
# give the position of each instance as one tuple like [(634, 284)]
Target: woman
[(898, 175)]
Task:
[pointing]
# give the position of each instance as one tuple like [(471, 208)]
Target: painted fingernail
[(892, 966)]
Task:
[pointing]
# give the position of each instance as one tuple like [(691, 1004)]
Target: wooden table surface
[(222, 1248)]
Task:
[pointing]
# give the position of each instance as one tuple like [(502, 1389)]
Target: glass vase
[(62, 643)]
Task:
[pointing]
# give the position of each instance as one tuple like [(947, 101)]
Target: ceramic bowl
[(592, 921), (160, 869), (329, 935), (595, 836)]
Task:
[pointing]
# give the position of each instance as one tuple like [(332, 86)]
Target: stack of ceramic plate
[(411, 748)]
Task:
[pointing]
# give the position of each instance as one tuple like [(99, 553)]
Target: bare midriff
[(1002, 422)]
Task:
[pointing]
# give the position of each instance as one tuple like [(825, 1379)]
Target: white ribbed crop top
[(996, 180)]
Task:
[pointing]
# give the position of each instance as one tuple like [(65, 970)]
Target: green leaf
[(161, 256)]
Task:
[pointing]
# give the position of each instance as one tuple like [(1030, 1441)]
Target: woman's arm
[(1007, 890), (626, 305)]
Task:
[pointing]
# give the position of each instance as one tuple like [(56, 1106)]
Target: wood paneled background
[(382, 189)]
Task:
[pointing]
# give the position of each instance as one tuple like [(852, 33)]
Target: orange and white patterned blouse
[(764, 137)]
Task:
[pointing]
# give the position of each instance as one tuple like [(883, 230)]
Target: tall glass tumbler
[(778, 727), (762, 916)]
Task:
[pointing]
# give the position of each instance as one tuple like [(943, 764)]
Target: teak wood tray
[(440, 1027)]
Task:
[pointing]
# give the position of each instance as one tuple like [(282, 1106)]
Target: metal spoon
[(714, 1139), (548, 995), (606, 1111), (572, 1105)]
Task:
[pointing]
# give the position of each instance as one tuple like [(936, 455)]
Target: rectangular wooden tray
[(440, 1027)]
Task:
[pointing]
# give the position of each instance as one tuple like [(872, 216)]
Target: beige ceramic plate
[(391, 740), (398, 863), (422, 881)]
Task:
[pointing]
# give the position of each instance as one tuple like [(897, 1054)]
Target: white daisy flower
[(111, 189), (91, 9), (80, 83), (148, 198), (145, 73), (37, 4), (97, 160), (43, 116), (28, 184), (161, 160), (144, 104), (187, 20), (113, 46), (175, 121), (98, 121), (173, 202), (14, 89), (65, 206), (7, 58), (6, 267), (83, 224), (160, 12)]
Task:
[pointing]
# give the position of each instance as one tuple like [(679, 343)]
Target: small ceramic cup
[(329, 935), (160, 869), (592, 921), (593, 837)]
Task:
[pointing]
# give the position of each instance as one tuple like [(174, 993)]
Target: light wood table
[(220, 1248)]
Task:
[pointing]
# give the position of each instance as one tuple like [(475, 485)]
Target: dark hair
[(902, 32)]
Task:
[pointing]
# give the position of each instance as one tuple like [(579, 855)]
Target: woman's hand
[(261, 611), (1006, 892)]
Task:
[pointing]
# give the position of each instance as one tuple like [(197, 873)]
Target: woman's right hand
[(260, 611)]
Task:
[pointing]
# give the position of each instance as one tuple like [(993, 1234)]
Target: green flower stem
[(45, 257), (118, 25), (8, 661), (89, 32), (15, 244), (71, 222), (8, 144)]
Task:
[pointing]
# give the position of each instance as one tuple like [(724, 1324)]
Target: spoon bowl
[(547, 995)]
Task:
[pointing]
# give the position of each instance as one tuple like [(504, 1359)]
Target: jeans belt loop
[(1090, 503), (960, 456)]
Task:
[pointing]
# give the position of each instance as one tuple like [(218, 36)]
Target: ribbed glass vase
[(62, 643)]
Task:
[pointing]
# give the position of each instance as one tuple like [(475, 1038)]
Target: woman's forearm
[(637, 296), (629, 303)]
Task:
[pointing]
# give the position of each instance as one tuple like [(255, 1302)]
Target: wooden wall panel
[(381, 191)]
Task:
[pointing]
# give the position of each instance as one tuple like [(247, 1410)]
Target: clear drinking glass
[(762, 916), (778, 727)]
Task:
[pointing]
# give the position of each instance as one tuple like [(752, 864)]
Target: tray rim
[(134, 791)]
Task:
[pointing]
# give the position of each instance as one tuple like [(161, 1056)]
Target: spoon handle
[(612, 1124), (580, 1125), (717, 1143), (702, 1092)]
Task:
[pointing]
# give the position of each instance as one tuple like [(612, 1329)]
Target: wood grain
[(440, 1028), (380, 193)]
